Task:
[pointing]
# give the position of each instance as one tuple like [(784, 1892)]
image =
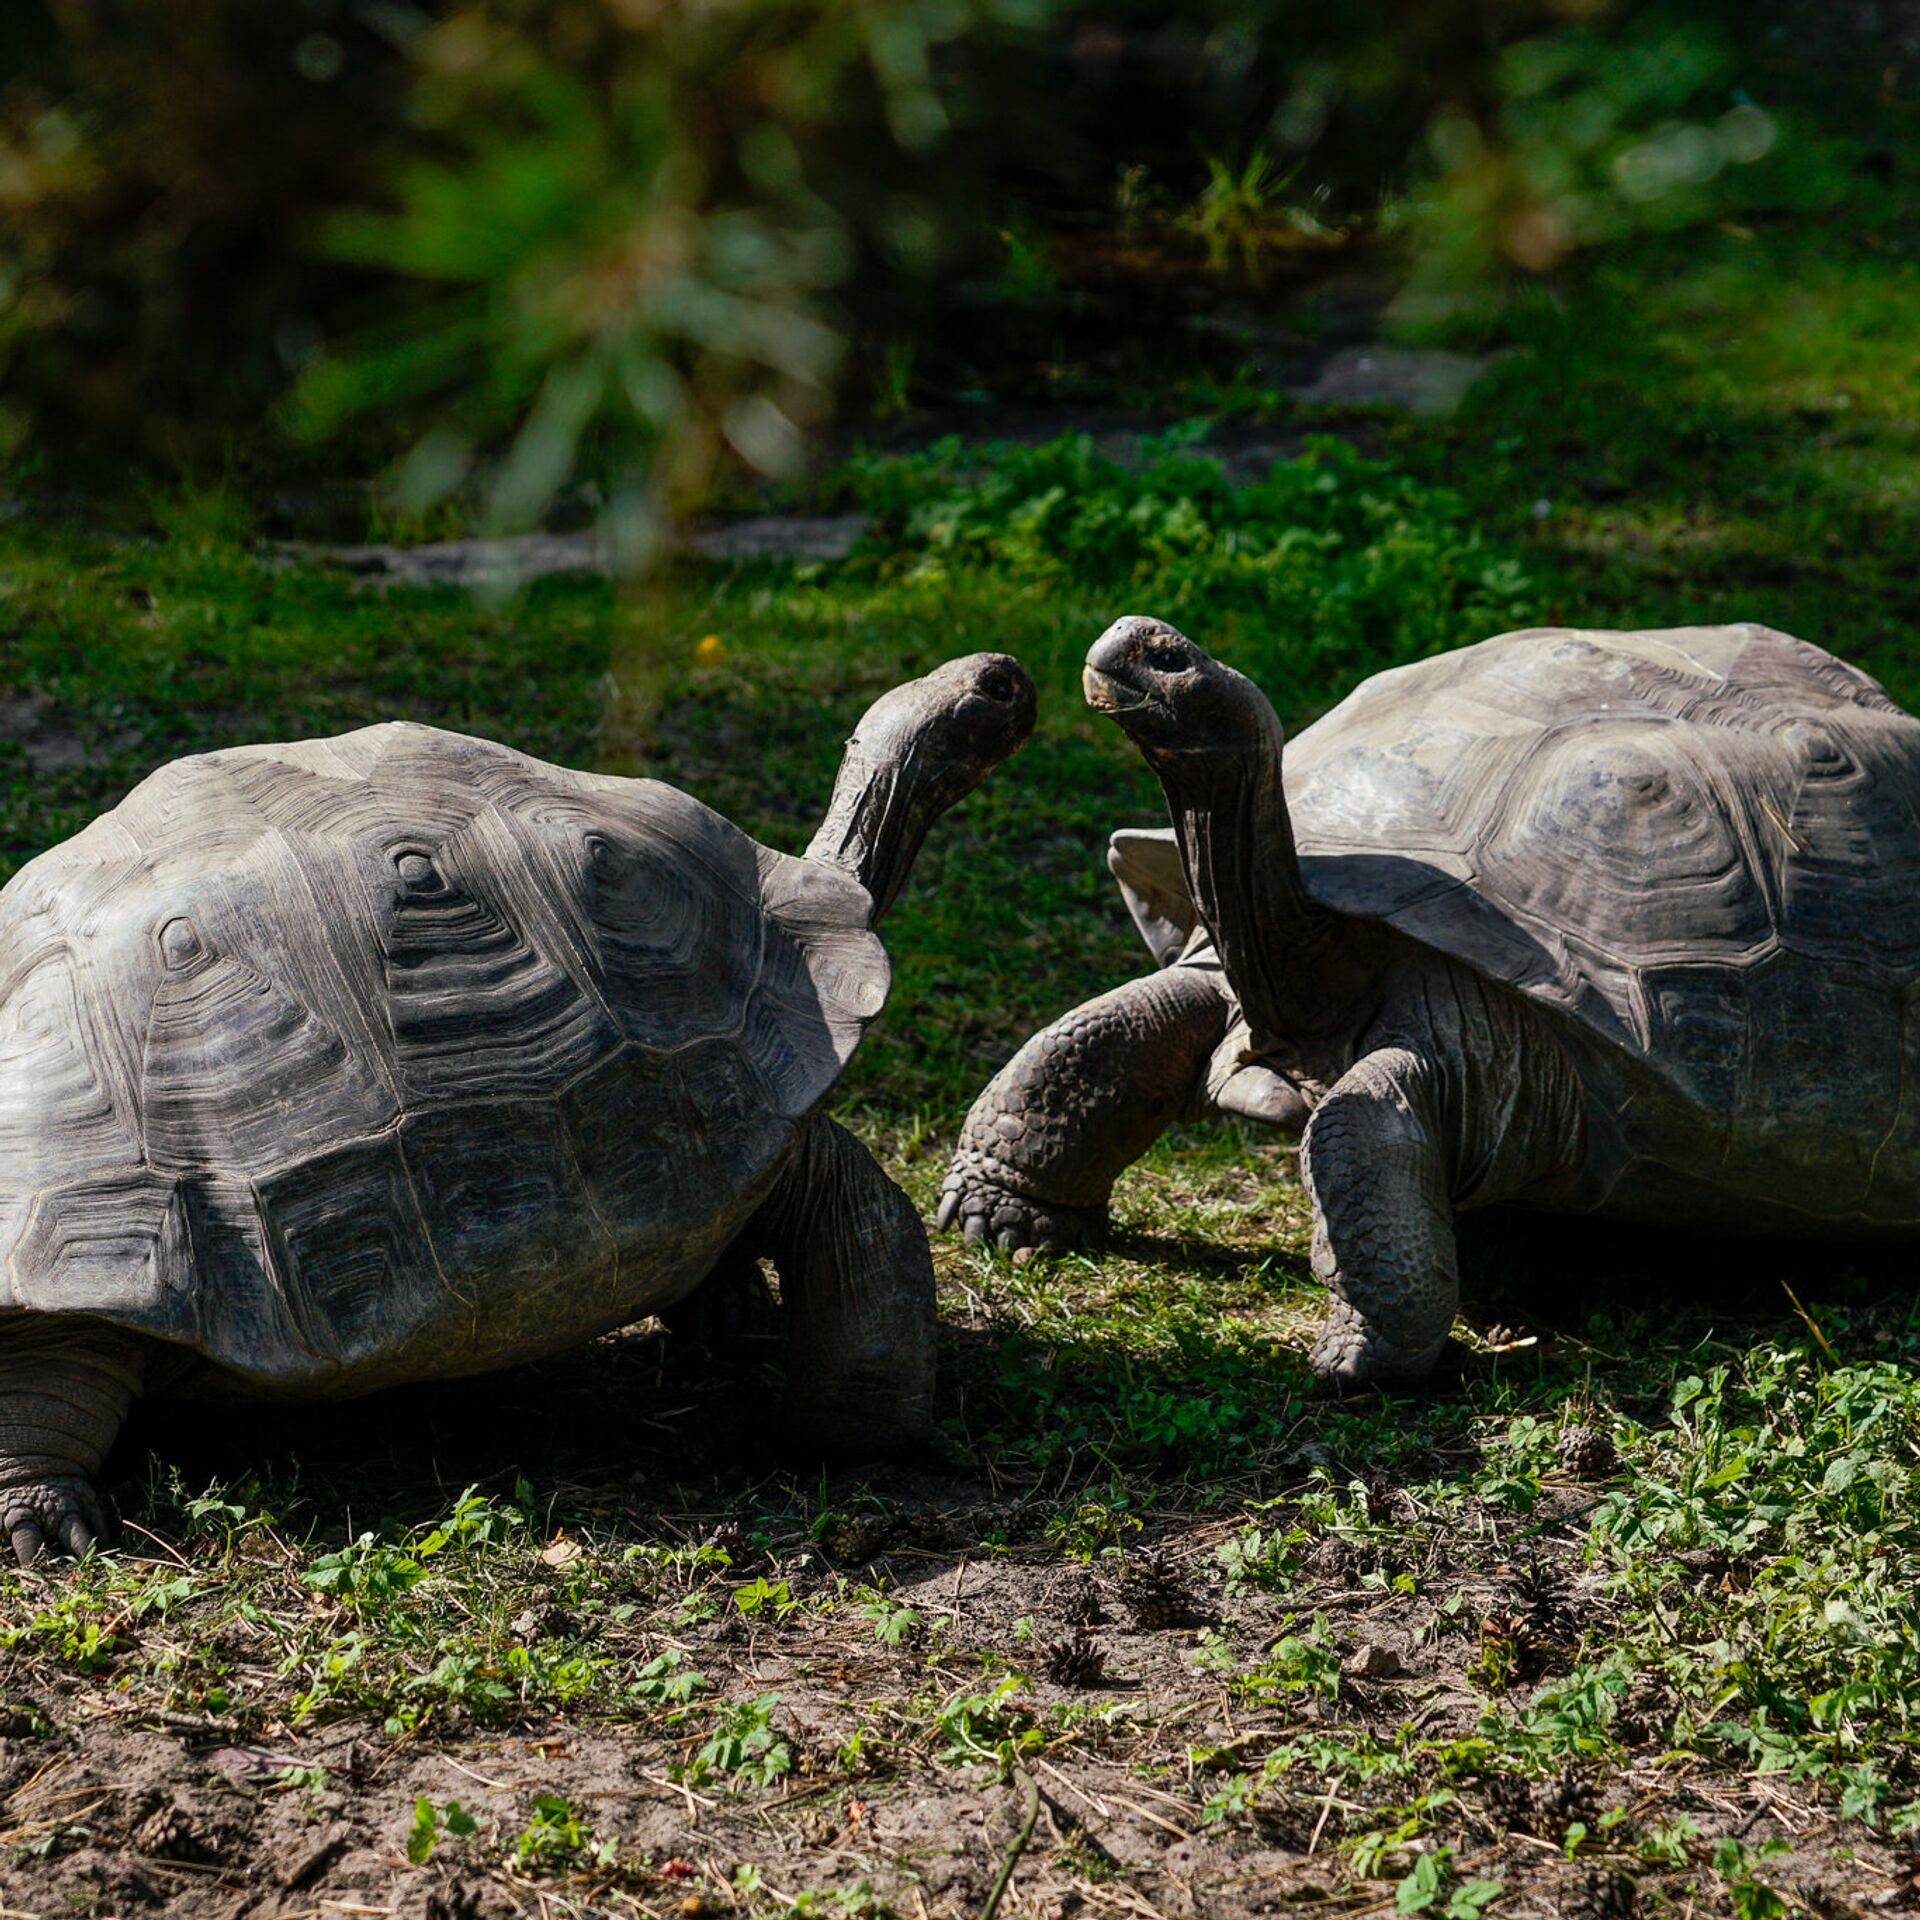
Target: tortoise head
[(1214, 740), (1181, 707), (952, 726), (916, 751)]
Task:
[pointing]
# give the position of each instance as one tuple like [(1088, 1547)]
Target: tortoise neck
[(1242, 868), (883, 805)]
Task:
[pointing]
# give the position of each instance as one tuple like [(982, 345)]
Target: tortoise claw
[(992, 1216), (61, 1515)]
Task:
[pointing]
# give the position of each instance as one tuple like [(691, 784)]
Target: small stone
[(307, 1863), (1371, 1661), (1024, 1256)]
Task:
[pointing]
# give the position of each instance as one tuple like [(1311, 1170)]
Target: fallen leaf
[(559, 1551)]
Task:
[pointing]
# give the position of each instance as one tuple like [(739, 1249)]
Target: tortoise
[(1611, 923), (403, 1055)]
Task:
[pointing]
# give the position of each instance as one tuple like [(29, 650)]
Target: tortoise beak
[(1108, 693)]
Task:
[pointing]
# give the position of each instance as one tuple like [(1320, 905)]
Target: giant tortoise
[(402, 1055), (1594, 922)]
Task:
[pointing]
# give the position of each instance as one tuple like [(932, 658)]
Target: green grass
[(1720, 427)]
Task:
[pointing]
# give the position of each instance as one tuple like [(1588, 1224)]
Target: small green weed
[(1430, 1887), (453, 1820), (557, 1836), (987, 1729), (743, 1746), (893, 1625)]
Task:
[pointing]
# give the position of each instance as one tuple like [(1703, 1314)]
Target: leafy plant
[(624, 246), (1431, 1881), (743, 1746), (428, 1825), (991, 1729), (1296, 1663), (892, 1625), (764, 1596), (1241, 210), (557, 1834), (1747, 1894), (1265, 1561), (1329, 566)]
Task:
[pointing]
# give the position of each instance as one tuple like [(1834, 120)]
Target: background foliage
[(627, 245)]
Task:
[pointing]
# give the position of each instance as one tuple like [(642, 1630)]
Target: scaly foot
[(1352, 1354), (61, 1514), (987, 1212)]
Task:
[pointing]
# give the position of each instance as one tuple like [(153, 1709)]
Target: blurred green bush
[(522, 245), (632, 221), (1633, 120)]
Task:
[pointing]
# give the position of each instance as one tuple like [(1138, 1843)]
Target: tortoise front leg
[(1078, 1104), (856, 1289), (1375, 1167), (65, 1387)]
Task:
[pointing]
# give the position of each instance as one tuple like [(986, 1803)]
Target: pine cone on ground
[(1544, 1808), (1600, 1895), (1156, 1595), (1587, 1453), (1077, 1661), (167, 1834), (1543, 1596), (1076, 1600), (860, 1536), (1570, 1800), (1510, 1803), (1510, 1649)]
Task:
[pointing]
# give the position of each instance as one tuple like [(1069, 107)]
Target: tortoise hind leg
[(728, 1305), (1078, 1104), (64, 1390), (856, 1289)]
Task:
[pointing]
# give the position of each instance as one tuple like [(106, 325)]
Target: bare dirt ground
[(916, 1766)]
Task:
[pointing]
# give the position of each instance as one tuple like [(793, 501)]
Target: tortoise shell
[(1644, 829), (1700, 845), (403, 1053)]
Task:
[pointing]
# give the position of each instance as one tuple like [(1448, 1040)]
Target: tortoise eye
[(1165, 659)]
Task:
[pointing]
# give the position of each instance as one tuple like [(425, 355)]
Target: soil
[(109, 1808)]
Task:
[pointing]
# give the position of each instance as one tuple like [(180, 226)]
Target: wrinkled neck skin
[(887, 797), (1304, 976)]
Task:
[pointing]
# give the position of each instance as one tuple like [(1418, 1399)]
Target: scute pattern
[(1639, 828), (401, 1053)]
